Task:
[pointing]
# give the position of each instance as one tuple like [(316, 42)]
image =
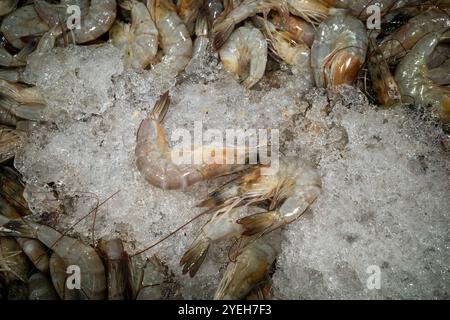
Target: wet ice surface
[(385, 197)]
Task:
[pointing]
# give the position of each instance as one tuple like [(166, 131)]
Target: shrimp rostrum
[(154, 156)]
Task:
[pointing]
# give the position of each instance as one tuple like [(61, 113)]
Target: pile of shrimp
[(405, 60)]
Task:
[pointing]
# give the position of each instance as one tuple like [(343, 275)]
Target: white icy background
[(385, 199)]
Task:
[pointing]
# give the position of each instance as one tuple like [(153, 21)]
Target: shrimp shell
[(41, 288)]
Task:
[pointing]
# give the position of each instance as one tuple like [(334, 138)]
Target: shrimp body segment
[(245, 55), (339, 51)]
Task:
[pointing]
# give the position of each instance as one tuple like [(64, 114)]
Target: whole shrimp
[(224, 27), (249, 268), (154, 156), (245, 55), (339, 51), (41, 288), (221, 226), (117, 268), (138, 42), (395, 46), (71, 251), (7, 6), (413, 78), (23, 23), (174, 37), (189, 10), (10, 141)]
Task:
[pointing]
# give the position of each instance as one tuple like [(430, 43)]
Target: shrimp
[(359, 8), (212, 9), (13, 262), (7, 210), (395, 46), (295, 186), (249, 268), (117, 268), (10, 141), (295, 28), (36, 252), (154, 160), (412, 76), (12, 189), (221, 226), (201, 41), (339, 51), (245, 55), (17, 60), (71, 252), (7, 6), (312, 11), (41, 288), (23, 23), (175, 40), (383, 81), (58, 274), (223, 29), (189, 10), (138, 42), (441, 74), (21, 101)]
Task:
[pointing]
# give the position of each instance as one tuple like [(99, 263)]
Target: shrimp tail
[(222, 33), (194, 256), (219, 196), (17, 227), (160, 109), (260, 223)]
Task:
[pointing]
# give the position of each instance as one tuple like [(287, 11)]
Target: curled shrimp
[(10, 141), (250, 267), (413, 78), (395, 46), (245, 55), (138, 42), (154, 156), (41, 288), (224, 27), (23, 23), (68, 251), (189, 10), (175, 40), (7, 6), (221, 226), (339, 51)]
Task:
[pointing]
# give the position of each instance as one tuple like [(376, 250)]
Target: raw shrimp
[(295, 28), (36, 252), (174, 37), (383, 82), (13, 75), (13, 262), (23, 23), (201, 41), (212, 9), (12, 189), (359, 8), (7, 6), (18, 60), (245, 55), (221, 226), (312, 11), (154, 157), (10, 141), (339, 51), (224, 27), (189, 10), (138, 42), (441, 74), (7, 210), (71, 251), (117, 269), (249, 268), (21, 101), (58, 273), (41, 288), (395, 46), (413, 79)]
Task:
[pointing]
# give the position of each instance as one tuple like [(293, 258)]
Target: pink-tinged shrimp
[(154, 156), (339, 51), (245, 55), (249, 268), (174, 37), (189, 10), (248, 8), (312, 11), (395, 46), (412, 76)]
